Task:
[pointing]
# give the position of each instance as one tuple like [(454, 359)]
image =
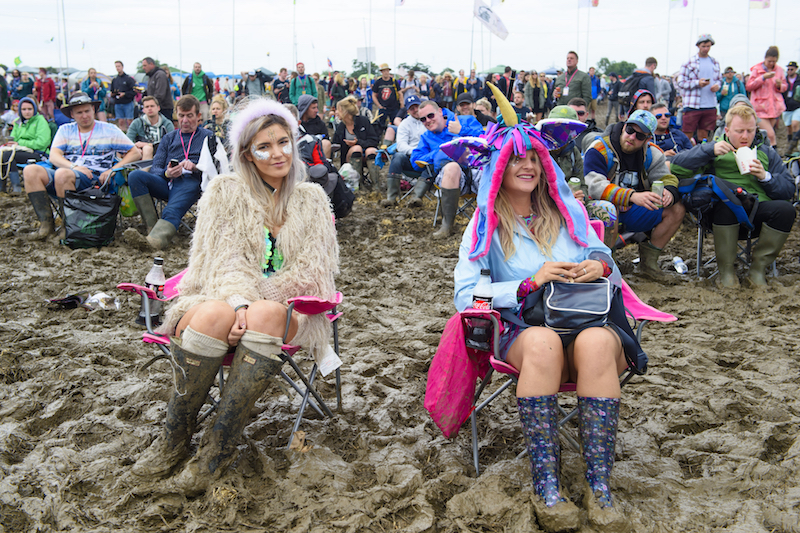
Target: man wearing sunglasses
[(670, 139), (620, 168), (452, 178)]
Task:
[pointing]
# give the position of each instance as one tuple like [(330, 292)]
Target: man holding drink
[(572, 83)]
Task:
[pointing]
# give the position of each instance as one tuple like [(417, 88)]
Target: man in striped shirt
[(83, 155)]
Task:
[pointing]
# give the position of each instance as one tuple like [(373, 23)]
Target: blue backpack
[(701, 192)]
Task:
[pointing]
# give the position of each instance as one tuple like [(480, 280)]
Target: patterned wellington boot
[(540, 427), (598, 429)]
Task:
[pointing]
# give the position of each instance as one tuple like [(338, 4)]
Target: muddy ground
[(707, 439)]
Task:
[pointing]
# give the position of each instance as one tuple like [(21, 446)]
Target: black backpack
[(628, 89)]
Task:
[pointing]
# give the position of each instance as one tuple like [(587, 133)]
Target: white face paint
[(261, 155), (287, 149)]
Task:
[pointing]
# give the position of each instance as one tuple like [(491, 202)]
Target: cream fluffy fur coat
[(228, 248)]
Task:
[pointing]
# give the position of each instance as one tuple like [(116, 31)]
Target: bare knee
[(596, 351), (213, 318), (64, 178), (34, 174), (451, 176), (541, 350), (267, 316)]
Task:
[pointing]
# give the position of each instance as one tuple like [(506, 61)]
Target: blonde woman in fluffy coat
[(263, 235)]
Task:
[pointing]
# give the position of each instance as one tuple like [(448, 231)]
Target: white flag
[(497, 2), (490, 19), (399, 3), (675, 4)]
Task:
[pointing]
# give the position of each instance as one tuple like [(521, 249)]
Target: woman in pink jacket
[(766, 83)]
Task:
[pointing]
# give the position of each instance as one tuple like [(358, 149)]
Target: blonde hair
[(742, 111), (544, 227), (347, 105), (219, 99), (276, 210), (339, 79)]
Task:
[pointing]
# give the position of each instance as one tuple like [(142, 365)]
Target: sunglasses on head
[(664, 115), (426, 118), (631, 130)]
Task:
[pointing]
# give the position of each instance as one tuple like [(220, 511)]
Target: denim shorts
[(639, 218), (81, 180), (123, 110), (791, 116)]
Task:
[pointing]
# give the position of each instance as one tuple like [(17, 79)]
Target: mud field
[(707, 439)]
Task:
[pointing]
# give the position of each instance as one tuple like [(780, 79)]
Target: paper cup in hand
[(744, 156)]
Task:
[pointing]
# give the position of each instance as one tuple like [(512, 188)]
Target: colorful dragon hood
[(494, 148)]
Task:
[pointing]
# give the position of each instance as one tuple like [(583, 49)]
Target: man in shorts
[(699, 80), (386, 99), (620, 168), (83, 154), (452, 178)]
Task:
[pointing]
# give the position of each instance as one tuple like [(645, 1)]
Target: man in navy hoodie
[(452, 178)]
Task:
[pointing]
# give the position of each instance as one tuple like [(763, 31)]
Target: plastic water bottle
[(679, 265), (479, 330), (154, 280)]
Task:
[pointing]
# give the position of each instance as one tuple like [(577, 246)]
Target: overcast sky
[(438, 33)]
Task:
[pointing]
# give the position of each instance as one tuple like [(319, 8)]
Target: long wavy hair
[(276, 209), (544, 227)]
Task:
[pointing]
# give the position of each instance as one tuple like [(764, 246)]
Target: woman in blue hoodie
[(31, 140)]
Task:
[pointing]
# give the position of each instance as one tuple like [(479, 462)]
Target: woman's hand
[(555, 271), (768, 75), (238, 328), (586, 271)]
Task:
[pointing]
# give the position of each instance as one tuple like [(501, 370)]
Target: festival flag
[(83, 44), (330, 65), (588, 3), (17, 61), (490, 19), (399, 3), (759, 4), (675, 4)]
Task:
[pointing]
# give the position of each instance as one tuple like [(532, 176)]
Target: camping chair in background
[(307, 305), (743, 254), (640, 314)]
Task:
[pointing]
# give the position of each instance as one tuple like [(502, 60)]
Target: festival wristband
[(606, 269), (245, 306), (526, 287)]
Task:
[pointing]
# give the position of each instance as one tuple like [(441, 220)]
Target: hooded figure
[(528, 230), (32, 137)]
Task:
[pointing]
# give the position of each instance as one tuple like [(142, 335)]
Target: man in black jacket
[(158, 86), (308, 109), (203, 91), (123, 93)]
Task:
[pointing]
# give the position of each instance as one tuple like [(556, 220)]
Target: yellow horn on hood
[(509, 116)]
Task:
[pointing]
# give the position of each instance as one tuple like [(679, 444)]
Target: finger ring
[(584, 270)]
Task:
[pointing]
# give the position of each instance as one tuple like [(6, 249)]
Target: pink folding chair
[(306, 305), (639, 312)]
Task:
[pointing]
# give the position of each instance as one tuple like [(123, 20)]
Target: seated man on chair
[(453, 179), (174, 177), (408, 135), (308, 109), (768, 178), (82, 155), (147, 130), (620, 168)]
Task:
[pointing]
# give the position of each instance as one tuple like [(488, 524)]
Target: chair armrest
[(493, 316), (138, 289), (312, 305)]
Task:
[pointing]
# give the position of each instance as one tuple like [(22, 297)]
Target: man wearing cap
[(452, 178), (158, 86), (82, 155), (731, 86), (698, 80), (408, 134), (385, 98), (791, 117), (173, 177), (303, 84), (308, 110), (199, 85), (253, 85), (621, 168)]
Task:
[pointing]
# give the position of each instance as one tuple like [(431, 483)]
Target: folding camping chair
[(638, 311), (307, 305)]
